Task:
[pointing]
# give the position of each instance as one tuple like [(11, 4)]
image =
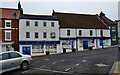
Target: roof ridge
[(36, 15), (75, 13), (9, 8)]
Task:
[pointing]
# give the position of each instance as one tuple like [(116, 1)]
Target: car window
[(5, 56), (14, 55), (0, 57)]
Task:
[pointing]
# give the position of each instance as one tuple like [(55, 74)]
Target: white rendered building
[(38, 33)]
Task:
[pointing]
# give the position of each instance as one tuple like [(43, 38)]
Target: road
[(91, 62)]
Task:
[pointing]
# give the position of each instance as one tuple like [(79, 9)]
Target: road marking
[(101, 65), (54, 63), (46, 59), (25, 71), (63, 60), (77, 64), (66, 70), (42, 66), (84, 60), (51, 70)]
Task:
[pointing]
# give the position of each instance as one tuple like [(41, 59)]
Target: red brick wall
[(14, 32)]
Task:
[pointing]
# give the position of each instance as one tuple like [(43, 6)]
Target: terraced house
[(82, 31), (9, 28)]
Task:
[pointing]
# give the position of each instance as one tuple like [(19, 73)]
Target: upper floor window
[(27, 23), (91, 32), (44, 35), (101, 32), (27, 34), (8, 35), (44, 24), (7, 24), (114, 37), (68, 32), (36, 23), (52, 24), (52, 35), (113, 28), (36, 34), (80, 32)]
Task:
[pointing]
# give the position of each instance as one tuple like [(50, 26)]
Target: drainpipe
[(76, 41)]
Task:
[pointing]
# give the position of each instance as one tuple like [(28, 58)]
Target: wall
[(40, 29)]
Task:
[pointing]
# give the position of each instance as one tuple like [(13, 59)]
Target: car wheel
[(24, 65)]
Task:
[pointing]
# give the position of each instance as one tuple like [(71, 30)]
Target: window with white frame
[(44, 24), (7, 23), (44, 34), (36, 23), (52, 24), (68, 32), (8, 35), (27, 34), (36, 34), (27, 23)]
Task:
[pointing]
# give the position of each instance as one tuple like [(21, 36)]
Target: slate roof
[(84, 21), (41, 17)]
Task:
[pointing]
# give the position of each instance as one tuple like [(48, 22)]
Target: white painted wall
[(85, 32), (63, 32), (40, 29)]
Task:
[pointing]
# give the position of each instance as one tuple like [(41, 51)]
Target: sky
[(45, 7)]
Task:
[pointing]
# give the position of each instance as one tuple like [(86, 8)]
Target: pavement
[(93, 62)]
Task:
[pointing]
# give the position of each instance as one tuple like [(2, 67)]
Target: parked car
[(11, 60)]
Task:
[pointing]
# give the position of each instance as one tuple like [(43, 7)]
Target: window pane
[(27, 35), (68, 32), (44, 24), (52, 24), (7, 35), (27, 23), (44, 35), (36, 23), (91, 33), (80, 32), (36, 34), (7, 24)]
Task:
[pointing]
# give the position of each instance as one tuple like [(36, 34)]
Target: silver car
[(11, 60)]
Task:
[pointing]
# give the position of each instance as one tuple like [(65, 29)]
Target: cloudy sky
[(45, 7)]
